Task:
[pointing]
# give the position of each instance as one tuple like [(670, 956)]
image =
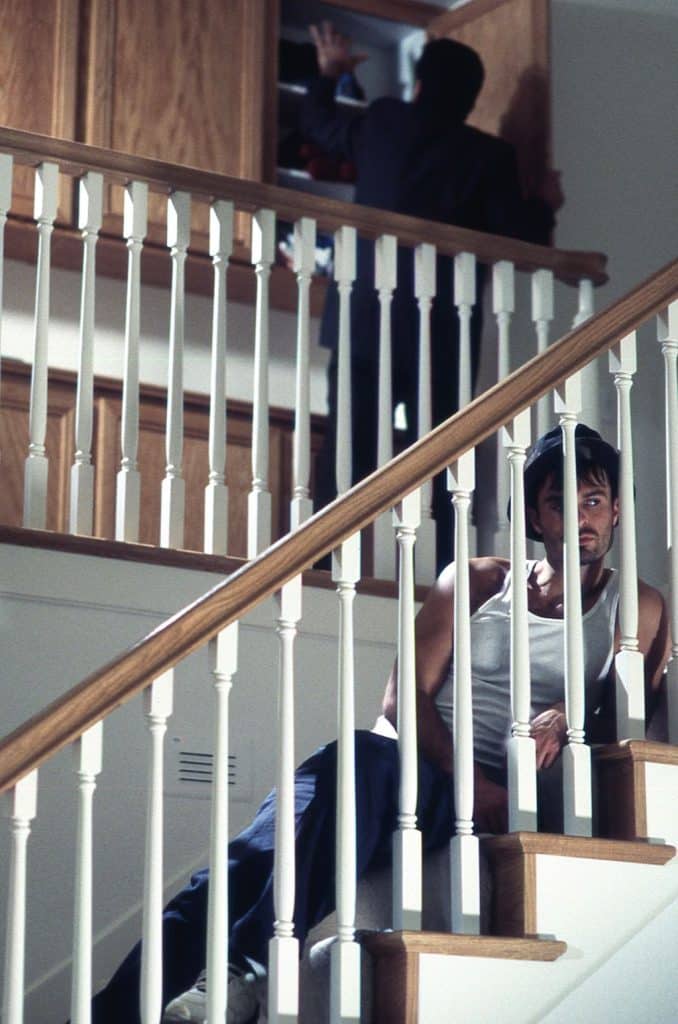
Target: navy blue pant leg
[(251, 867)]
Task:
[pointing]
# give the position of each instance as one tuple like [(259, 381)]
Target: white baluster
[(223, 657), (345, 955), (344, 273), (87, 755), (629, 662), (576, 755), (216, 491), (464, 851), (464, 300), (283, 978), (590, 375), (259, 498), (304, 264), (667, 333), (424, 290), (128, 481), (407, 838), (35, 478), (82, 471), (20, 808), (5, 202), (521, 748), (157, 709), (542, 315), (173, 490), (503, 306), (385, 274)]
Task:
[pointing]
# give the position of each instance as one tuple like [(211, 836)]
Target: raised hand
[(334, 51)]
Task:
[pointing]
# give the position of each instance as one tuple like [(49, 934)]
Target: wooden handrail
[(76, 158), (66, 718)]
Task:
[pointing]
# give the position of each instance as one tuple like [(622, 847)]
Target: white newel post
[(667, 333), (223, 660), (577, 804), (590, 375), (304, 263), (87, 753), (259, 498), (216, 491), (344, 275), (542, 315), (629, 662), (90, 212), (172, 492), (128, 480), (424, 290), (407, 878), (521, 749), (385, 277), (503, 307), (20, 808), (5, 203), (158, 699), (464, 848), (345, 955), (35, 478), (283, 977)]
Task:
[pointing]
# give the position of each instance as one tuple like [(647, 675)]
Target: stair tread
[(633, 850), (500, 947)]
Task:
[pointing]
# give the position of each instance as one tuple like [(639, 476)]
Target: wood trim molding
[(638, 751), (91, 700), (76, 158)]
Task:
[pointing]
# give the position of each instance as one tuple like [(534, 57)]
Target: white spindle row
[(6, 163), (128, 491), (259, 500), (172, 492), (630, 698), (35, 479), (667, 330), (216, 491), (424, 290), (464, 852), (304, 264), (385, 273), (503, 306), (158, 700), (542, 315), (344, 274), (20, 808), (223, 656), (521, 759), (90, 213), (345, 955)]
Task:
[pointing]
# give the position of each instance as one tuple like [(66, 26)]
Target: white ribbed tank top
[(490, 665)]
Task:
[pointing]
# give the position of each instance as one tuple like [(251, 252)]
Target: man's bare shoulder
[(486, 577), (650, 601)]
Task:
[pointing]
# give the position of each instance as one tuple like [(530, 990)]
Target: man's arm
[(434, 648), (654, 641), (336, 130)]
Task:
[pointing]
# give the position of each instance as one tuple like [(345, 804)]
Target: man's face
[(598, 515)]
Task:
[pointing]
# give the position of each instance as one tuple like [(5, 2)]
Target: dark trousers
[(251, 868)]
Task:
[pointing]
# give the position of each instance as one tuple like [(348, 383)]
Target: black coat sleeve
[(506, 211), (335, 129)]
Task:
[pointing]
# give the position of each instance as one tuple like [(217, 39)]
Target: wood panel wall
[(14, 404)]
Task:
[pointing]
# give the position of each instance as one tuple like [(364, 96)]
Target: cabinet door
[(512, 38), (38, 71), (183, 82)]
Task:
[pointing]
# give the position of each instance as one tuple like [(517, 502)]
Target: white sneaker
[(243, 1002)]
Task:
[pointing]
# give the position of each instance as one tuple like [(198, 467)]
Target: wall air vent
[(189, 771)]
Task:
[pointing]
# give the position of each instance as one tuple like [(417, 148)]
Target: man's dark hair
[(588, 470), (451, 76)]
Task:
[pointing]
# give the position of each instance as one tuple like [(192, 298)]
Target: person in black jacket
[(417, 158)]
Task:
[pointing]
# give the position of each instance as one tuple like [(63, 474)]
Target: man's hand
[(334, 51), (549, 731), (490, 809), (551, 190)]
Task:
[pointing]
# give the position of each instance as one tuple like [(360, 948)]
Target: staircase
[(562, 914)]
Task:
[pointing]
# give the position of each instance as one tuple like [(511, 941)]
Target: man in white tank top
[(597, 470)]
